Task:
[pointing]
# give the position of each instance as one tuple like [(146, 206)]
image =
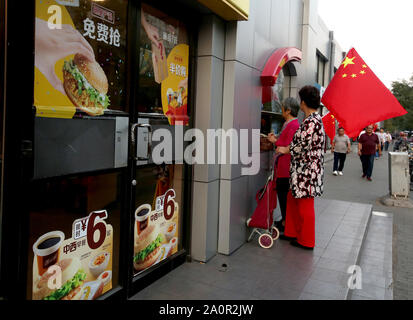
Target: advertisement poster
[(156, 231), (75, 268), (80, 50), (164, 62), (174, 87)]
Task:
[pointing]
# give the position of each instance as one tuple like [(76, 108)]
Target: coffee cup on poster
[(142, 217), (47, 250)]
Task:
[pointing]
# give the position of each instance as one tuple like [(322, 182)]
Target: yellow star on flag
[(348, 61), (364, 66), (345, 75), (363, 72), (354, 75)]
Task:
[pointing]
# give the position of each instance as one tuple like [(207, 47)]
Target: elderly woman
[(290, 108), (307, 172)]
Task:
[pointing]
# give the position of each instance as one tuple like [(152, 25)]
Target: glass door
[(78, 190), (163, 117)]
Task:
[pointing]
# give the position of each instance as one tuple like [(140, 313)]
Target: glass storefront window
[(271, 119), (162, 103), (75, 226), (160, 34)]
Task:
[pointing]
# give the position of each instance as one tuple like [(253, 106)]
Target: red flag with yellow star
[(329, 122), (358, 98)]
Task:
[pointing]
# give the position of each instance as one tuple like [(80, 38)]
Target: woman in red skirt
[(307, 172)]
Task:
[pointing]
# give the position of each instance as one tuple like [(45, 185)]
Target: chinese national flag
[(357, 98), (329, 123)]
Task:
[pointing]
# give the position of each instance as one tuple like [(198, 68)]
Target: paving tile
[(344, 239), (279, 293), (358, 297), (326, 289), (312, 296), (372, 292), (385, 263), (247, 285), (333, 264), (293, 281), (376, 280), (353, 235), (332, 276), (381, 270), (349, 257)]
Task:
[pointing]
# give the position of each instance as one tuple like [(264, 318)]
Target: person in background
[(340, 147), (382, 138), (368, 144), (290, 109), (388, 141), (307, 172), (401, 144)]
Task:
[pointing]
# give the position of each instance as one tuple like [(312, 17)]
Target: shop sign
[(77, 268), (156, 231), (79, 57)]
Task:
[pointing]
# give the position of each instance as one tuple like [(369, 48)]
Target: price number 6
[(169, 204), (99, 226)]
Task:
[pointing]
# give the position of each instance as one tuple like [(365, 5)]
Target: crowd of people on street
[(300, 169)]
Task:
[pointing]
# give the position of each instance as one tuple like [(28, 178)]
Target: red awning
[(276, 62)]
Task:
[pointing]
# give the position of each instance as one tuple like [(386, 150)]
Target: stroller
[(262, 218)]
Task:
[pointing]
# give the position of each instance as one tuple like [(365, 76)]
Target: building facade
[(231, 58), (77, 155)]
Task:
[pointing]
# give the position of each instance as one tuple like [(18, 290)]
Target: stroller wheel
[(275, 233), (265, 241)]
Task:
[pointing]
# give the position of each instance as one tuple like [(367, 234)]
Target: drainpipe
[(332, 55)]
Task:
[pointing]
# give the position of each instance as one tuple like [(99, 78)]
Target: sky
[(380, 30)]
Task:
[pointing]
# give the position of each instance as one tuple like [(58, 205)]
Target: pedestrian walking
[(307, 172), (388, 141), (382, 138), (290, 108), (340, 146), (368, 145)]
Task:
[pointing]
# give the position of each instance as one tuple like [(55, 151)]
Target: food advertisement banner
[(164, 63), (156, 231), (76, 268), (79, 57), (175, 87)]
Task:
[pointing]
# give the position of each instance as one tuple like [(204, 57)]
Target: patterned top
[(307, 158)]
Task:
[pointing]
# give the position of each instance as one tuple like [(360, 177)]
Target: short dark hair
[(311, 96), (340, 128), (292, 105)]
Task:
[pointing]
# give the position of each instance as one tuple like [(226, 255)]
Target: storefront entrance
[(90, 212)]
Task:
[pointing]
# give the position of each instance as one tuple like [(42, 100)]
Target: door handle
[(134, 136)]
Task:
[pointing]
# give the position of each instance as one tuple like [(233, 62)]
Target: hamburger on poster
[(86, 85), (73, 277), (147, 247)]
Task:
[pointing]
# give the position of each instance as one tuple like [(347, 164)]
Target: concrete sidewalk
[(347, 233), (394, 238), (282, 272)]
